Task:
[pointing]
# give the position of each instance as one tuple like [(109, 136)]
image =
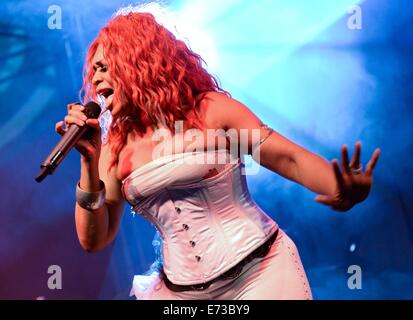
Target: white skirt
[(277, 276)]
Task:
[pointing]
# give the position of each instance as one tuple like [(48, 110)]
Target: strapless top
[(207, 225)]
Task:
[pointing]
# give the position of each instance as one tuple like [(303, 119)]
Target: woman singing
[(216, 242)]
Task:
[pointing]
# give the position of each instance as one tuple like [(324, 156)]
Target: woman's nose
[(97, 78)]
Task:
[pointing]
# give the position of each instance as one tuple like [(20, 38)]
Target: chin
[(113, 110)]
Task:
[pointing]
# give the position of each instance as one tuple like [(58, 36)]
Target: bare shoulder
[(219, 102), (226, 112)]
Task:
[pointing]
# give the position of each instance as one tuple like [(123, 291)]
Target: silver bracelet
[(91, 200), (269, 131)]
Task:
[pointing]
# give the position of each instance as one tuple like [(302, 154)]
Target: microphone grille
[(92, 110)]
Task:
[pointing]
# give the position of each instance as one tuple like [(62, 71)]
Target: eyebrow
[(98, 64)]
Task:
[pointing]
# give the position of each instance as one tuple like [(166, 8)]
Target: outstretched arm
[(338, 188)]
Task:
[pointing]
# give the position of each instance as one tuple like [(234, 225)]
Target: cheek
[(110, 79)]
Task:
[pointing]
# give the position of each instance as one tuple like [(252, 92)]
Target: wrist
[(89, 175), (89, 162), (91, 200)]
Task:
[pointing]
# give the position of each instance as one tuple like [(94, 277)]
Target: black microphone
[(67, 142)]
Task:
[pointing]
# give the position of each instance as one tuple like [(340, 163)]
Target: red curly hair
[(156, 76)]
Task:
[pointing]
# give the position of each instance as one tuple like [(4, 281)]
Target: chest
[(140, 151)]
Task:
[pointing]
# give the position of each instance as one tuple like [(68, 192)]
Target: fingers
[(324, 200), (71, 119), (355, 161), (75, 105), (344, 159), (59, 128), (373, 161), (94, 123), (75, 115), (329, 201)]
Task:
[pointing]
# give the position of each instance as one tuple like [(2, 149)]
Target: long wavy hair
[(157, 77)]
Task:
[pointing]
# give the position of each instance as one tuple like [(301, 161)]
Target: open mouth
[(105, 93)]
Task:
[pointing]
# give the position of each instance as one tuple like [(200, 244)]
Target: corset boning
[(207, 225)]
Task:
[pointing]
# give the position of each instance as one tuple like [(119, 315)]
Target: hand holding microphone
[(89, 144), (82, 132)]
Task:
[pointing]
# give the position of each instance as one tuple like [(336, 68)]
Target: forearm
[(295, 163), (314, 172), (91, 225)]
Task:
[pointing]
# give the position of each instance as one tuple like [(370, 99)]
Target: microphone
[(68, 141)]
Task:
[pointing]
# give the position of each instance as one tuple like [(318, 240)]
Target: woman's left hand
[(353, 185)]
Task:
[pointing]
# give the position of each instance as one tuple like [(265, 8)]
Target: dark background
[(296, 64)]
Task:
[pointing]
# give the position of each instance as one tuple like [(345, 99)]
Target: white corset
[(207, 225)]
